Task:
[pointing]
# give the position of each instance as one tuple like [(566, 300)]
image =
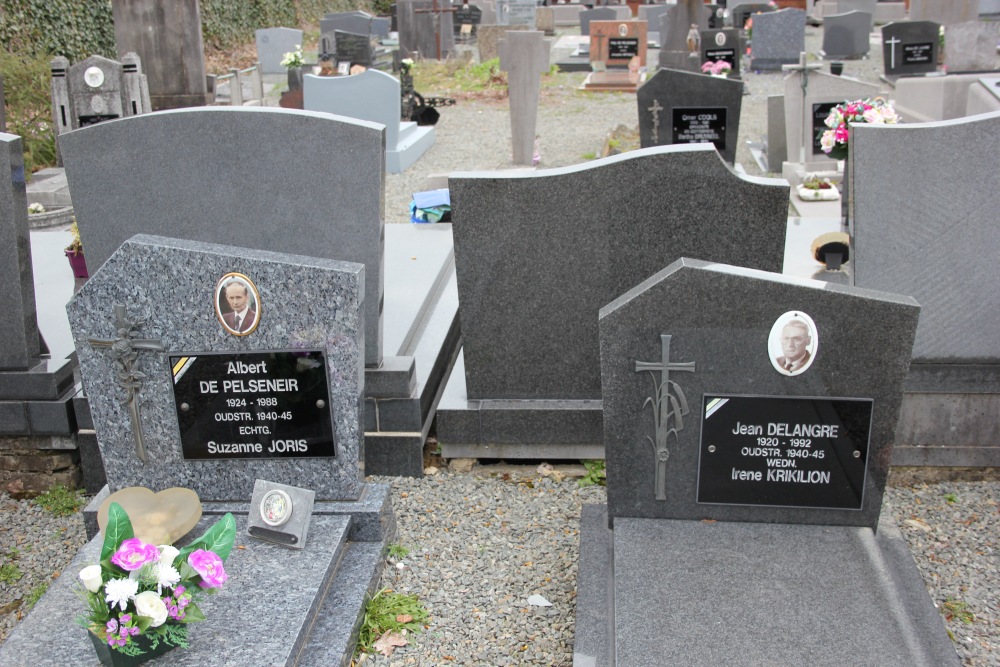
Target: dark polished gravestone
[(723, 45), (678, 107), (757, 487), (910, 47), (278, 179), (217, 409), (936, 242), (533, 270)]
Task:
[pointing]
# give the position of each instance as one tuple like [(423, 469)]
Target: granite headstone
[(596, 14), (845, 36), (469, 15), (945, 13), (273, 44), (722, 45), (524, 55), (740, 12), (678, 107), (676, 25), (972, 46), (778, 39), (910, 47)]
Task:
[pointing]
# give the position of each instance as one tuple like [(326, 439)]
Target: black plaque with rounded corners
[(253, 405), (729, 55), (784, 451), (699, 125), (622, 47)]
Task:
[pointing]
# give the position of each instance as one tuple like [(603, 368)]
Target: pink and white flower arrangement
[(873, 111), (716, 67), (149, 592)]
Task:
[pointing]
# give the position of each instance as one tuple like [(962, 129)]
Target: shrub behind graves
[(76, 29), (29, 110)]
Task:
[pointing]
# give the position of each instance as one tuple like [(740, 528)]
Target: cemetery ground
[(481, 542)]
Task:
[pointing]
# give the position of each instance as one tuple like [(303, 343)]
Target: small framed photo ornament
[(237, 304), (280, 513), (793, 343)]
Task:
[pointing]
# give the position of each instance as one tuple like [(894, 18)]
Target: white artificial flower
[(120, 591), (827, 141), (35, 208), (167, 554), (167, 576), (91, 577), (150, 605), (889, 115)]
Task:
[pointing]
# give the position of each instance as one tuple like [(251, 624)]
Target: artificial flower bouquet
[(716, 67), (142, 595), (875, 111), (293, 59)]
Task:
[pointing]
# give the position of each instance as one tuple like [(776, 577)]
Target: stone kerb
[(538, 255), (237, 175), (930, 238)]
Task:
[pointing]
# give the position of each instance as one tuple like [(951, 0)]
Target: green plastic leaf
[(118, 529), (219, 538), (192, 614)]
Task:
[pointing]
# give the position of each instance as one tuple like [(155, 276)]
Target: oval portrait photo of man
[(237, 304), (793, 343)]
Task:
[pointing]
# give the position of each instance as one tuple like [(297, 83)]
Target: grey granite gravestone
[(910, 47), (945, 13), (845, 36), (360, 23), (533, 270), (722, 45), (596, 14), (686, 388), (423, 30), (651, 15), (972, 46), (273, 44), (167, 37), (545, 20), (945, 231), (471, 16), (740, 11), (173, 319), (371, 96), (678, 107), (517, 12), (845, 6), (778, 39), (675, 25), (292, 181), (524, 56)]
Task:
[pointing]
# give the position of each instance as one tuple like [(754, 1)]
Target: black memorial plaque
[(699, 125), (253, 405), (917, 53), (620, 48), (353, 48), (784, 452), (820, 112), (715, 55)]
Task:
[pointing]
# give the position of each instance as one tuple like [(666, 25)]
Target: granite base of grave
[(278, 607), (662, 592), (620, 81), (414, 141)]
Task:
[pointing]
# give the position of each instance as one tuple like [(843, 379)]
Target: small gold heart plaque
[(157, 518)]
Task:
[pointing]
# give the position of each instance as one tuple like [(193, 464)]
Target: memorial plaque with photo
[(784, 452), (820, 112), (253, 405), (623, 48), (700, 125)]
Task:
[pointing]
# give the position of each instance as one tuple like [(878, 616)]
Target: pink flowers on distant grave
[(873, 111), (209, 566), (716, 67), (134, 553)]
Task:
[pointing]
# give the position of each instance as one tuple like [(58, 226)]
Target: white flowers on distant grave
[(293, 59)]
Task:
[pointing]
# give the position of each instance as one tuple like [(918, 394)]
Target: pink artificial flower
[(209, 566), (840, 134), (134, 553)]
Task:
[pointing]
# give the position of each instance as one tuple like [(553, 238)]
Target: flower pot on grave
[(77, 263), (113, 658), (294, 78)]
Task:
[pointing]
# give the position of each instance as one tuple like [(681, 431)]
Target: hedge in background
[(76, 29), (228, 22)]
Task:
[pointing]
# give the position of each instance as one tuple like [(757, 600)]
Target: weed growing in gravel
[(596, 475), (398, 551), (9, 573), (388, 611), (958, 610), (950, 498), (61, 501), (35, 595)]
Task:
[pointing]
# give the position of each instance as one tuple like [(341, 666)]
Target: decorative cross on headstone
[(892, 50), (656, 109), (669, 405), (125, 352), (804, 67), (436, 13)]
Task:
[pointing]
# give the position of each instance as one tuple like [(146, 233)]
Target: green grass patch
[(61, 501), (398, 551), (9, 573), (950, 498), (386, 611), (596, 474), (35, 595), (957, 610)]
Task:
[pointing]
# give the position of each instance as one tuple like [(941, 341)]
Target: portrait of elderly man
[(242, 317), (796, 339)]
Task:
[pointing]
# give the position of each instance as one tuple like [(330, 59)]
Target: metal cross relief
[(669, 405), (125, 352), (656, 109)]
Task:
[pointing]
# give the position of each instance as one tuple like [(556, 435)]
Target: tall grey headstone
[(371, 96), (944, 12), (171, 325), (245, 168), (596, 14), (167, 37), (910, 47), (845, 36), (651, 15), (424, 29), (777, 146), (524, 55), (18, 328), (677, 107), (273, 44), (971, 46), (675, 26), (778, 39)]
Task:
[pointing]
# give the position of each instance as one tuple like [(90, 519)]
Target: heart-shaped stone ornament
[(157, 518)]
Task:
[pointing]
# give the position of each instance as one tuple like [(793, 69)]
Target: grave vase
[(77, 263), (112, 658), (294, 78)]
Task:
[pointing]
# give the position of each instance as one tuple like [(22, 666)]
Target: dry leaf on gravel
[(388, 642)]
